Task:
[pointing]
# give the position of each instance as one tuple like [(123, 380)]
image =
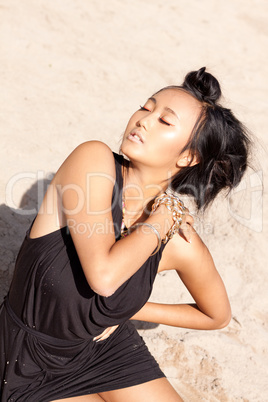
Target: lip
[(133, 137)]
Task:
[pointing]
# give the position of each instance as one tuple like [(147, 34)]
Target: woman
[(107, 225)]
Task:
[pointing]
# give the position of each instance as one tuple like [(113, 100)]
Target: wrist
[(162, 220)]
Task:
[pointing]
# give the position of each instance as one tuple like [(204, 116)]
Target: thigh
[(83, 398), (158, 390)]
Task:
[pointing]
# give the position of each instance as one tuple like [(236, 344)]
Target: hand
[(173, 208), (178, 218), (105, 334)]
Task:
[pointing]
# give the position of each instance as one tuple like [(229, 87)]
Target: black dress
[(51, 315)]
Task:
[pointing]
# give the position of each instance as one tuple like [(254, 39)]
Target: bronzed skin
[(153, 140)]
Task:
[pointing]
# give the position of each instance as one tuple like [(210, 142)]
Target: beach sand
[(73, 71)]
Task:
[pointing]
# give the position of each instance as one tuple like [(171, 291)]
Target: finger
[(187, 217), (103, 337), (102, 334), (189, 220), (186, 231), (105, 334)]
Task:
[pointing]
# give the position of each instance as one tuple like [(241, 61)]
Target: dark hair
[(220, 142)]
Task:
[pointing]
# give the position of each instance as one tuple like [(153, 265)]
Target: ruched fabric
[(51, 315)]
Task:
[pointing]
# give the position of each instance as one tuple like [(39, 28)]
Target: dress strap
[(117, 196)]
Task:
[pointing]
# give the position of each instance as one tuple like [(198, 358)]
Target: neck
[(144, 183), (141, 186)]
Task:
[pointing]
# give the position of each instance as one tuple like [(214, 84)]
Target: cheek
[(174, 141)]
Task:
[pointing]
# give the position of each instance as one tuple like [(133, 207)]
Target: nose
[(145, 121)]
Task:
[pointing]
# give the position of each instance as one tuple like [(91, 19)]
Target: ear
[(187, 158)]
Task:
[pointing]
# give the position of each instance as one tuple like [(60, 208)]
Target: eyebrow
[(167, 109)]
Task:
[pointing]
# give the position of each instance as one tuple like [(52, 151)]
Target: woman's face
[(159, 130)]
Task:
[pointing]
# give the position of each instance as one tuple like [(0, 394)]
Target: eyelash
[(144, 108), (162, 121)]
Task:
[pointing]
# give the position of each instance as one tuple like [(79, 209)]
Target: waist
[(40, 335)]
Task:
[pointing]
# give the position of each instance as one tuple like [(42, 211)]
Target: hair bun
[(204, 86)]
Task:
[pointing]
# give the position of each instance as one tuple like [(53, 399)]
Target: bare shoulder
[(94, 152), (89, 167), (88, 157), (179, 254), (93, 147)]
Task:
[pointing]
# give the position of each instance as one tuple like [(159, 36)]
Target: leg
[(158, 390), (83, 398)]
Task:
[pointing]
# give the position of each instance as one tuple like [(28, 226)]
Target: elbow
[(102, 291), (224, 317), (223, 322), (102, 285), (102, 277)]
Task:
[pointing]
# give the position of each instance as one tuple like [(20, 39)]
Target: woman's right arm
[(84, 185)]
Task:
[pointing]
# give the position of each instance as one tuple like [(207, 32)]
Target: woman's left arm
[(194, 264)]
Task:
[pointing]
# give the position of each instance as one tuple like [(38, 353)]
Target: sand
[(74, 70)]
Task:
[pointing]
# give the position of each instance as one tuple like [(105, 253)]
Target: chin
[(128, 150)]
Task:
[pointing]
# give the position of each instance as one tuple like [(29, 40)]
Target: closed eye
[(165, 122), (160, 119), (144, 108)]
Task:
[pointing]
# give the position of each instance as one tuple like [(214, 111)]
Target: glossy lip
[(132, 138)]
